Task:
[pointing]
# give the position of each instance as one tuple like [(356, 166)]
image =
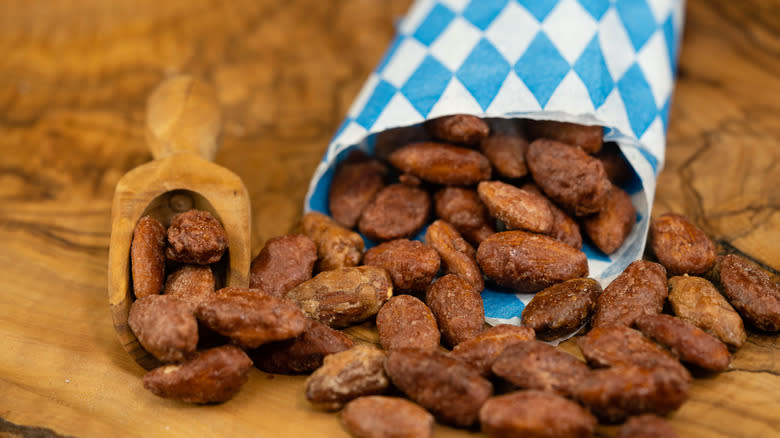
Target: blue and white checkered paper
[(593, 62)]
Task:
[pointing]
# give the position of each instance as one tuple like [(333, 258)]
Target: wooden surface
[(74, 77)]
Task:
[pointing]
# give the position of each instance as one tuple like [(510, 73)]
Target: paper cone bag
[(607, 63)]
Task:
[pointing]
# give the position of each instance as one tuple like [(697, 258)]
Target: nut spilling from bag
[(521, 231)]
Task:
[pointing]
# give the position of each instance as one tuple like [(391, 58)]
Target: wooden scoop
[(183, 124)]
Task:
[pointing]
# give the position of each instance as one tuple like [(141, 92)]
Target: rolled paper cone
[(592, 62)]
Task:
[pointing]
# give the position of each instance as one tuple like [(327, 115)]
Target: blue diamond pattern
[(596, 8), (594, 72), (390, 52), (426, 84), (383, 92), (650, 159), (542, 68), (665, 112), (483, 72), (505, 305), (638, 99), (434, 24), (538, 8), (671, 46), (482, 12), (638, 20)]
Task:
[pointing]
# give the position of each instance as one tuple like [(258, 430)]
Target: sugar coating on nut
[(197, 237), (535, 414), (458, 309), (750, 290), (680, 245), (442, 163), (646, 426), (191, 284), (406, 322), (569, 176), (527, 262), (482, 350), (250, 317), (564, 228), (457, 256), (589, 138), (397, 211), (507, 154), (697, 300), (337, 246), (616, 393), (283, 263), (686, 341), (462, 208), (147, 257), (211, 376), (451, 390), (639, 289), (610, 227), (344, 296), (411, 264), (562, 308), (165, 327), (346, 375), (355, 183), (302, 354), (536, 365), (458, 128), (386, 417), (515, 207)]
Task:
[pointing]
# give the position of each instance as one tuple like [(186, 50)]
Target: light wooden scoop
[(183, 124)]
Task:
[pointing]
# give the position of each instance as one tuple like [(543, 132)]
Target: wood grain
[(74, 78)]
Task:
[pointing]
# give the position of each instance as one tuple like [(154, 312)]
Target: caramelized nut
[(197, 237), (165, 327), (562, 308), (211, 376), (303, 354), (398, 211), (458, 308), (344, 296), (696, 300), (639, 289), (337, 246), (448, 388), (527, 262), (569, 176), (411, 264), (535, 414), (457, 255), (515, 207), (355, 183), (147, 257), (250, 317), (458, 128), (379, 416), (442, 163), (347, 375), (750, 290), (406, 322), (535, 365), (680, 245), (482, 350), (283, 263)]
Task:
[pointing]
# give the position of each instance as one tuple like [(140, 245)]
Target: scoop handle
[(183, 115)]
